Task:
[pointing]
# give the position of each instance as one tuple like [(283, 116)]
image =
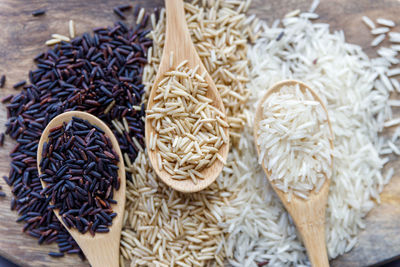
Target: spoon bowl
[(179, 47), (103, 248), (308, 214)]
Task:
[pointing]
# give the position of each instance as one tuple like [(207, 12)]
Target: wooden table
[(22, 37)]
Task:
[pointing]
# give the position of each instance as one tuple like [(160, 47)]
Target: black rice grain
[(280, 36), (63, 82), (136, 10), (118, 10), (6, 99), (2, 135), (56, 254), (38, 12), (2, 80), (124, 7), (119, 13), (19, 84), (2, 194), (64, 159)]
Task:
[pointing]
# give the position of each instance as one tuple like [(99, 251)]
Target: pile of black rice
[(2, 194), (100, 73)]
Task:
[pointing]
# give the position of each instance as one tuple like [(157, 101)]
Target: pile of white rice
[(353, 90), (239, 219), (294, 141)]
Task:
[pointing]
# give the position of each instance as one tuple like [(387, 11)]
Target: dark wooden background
[(22, 37)]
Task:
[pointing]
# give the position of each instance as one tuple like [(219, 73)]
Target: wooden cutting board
[(22, 37)]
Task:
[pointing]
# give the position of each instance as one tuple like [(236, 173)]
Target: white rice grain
[(392, 123), (393, 72), (368, 22), (395, 84), (60, 37), (378, 40), (52, 42), (394, 103), (314, 6), (386, 22), (394, 148), (394, 37), (71, 27), (380, 30)]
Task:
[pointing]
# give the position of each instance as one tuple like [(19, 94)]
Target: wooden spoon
[(179, 47), (308, 215), (103, 248)]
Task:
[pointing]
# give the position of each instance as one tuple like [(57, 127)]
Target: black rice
[(2, 135), (84, 74), (77, 182), (38, 12), (2, 80), (19, 84), (280, 36), (118, 10), (136, 10), (56, 254), (124, 7), (7, 98)]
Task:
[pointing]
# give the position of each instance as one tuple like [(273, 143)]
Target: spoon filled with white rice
[(294, 142)]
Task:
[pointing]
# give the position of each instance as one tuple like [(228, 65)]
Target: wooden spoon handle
[(314, 241), (103, 252), (178, 43), (309, 218), (177, 31)]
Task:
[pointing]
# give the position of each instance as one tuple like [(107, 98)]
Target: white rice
[(368, 22), (394, 103), (60, 37), (385, 22), (71, 28), (343, 75), (293, 138), (394, 37), (392, 122), (380, 30), (393, 72), (313, 6), (378, 40)]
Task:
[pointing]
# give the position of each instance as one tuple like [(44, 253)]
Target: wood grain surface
[(22, 36)]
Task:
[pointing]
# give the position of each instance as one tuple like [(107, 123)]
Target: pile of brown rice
[(164, 227), (189, 130)]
